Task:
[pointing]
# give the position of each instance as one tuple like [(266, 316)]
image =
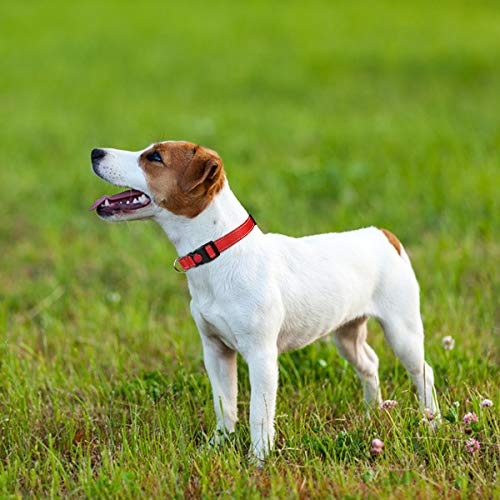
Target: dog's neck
[(222, 215)]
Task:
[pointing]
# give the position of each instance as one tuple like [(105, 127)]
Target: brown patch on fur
[(188, 178), (392, 240)]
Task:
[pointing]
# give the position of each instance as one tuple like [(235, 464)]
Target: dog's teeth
[(135, 200), (106, 203)]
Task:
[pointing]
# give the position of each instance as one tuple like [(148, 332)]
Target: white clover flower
[(388, 404), (470, 418), (114, 297), (448, 342), (377, 447), (428, 415), (472, 445)]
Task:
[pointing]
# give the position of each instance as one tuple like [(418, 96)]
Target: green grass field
[(329, 116)]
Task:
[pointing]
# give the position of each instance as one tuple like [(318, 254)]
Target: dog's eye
[(154, 156)]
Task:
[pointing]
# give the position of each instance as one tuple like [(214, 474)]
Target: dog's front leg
[(220, 362), (263, 370)]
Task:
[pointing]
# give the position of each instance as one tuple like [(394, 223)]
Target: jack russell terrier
[(263, 294)]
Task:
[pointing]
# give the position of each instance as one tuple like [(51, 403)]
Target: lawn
[(329, 116)]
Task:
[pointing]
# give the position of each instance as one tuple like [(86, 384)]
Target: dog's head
[(177, 176)]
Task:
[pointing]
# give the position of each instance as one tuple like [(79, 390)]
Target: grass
[(329, 116)]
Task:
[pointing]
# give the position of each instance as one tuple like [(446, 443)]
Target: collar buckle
[(202, 255), (206, 253)]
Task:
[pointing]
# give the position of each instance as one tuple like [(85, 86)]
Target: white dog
[(263, 294)]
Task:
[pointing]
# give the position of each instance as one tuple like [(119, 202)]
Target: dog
[(262, 294)]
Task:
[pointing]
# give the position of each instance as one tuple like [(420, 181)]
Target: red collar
[(211, 250)]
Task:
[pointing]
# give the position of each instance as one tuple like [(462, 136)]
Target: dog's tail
[(394, 241)]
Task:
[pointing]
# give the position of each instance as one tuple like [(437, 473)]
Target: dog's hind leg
[(398, 304), (406, 337), (350, 340)]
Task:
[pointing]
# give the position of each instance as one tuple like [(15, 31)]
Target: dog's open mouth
[(121, 203)]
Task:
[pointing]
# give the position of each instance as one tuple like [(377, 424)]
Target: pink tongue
[(97, 203), (116, 197)]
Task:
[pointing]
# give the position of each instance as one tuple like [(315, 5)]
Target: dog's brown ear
[(206, 166)]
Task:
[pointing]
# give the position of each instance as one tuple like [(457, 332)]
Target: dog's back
[(327, 280)]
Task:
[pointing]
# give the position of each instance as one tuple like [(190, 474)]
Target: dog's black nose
[(97, 154)]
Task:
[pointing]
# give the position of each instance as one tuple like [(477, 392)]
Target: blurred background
[(328, 115)]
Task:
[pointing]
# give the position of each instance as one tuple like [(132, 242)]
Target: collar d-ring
[(177, 266)]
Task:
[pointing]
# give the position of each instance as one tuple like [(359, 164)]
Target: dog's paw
[(257, 455), (257, 461), (432, 419), (435, 424), (217, 440)]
